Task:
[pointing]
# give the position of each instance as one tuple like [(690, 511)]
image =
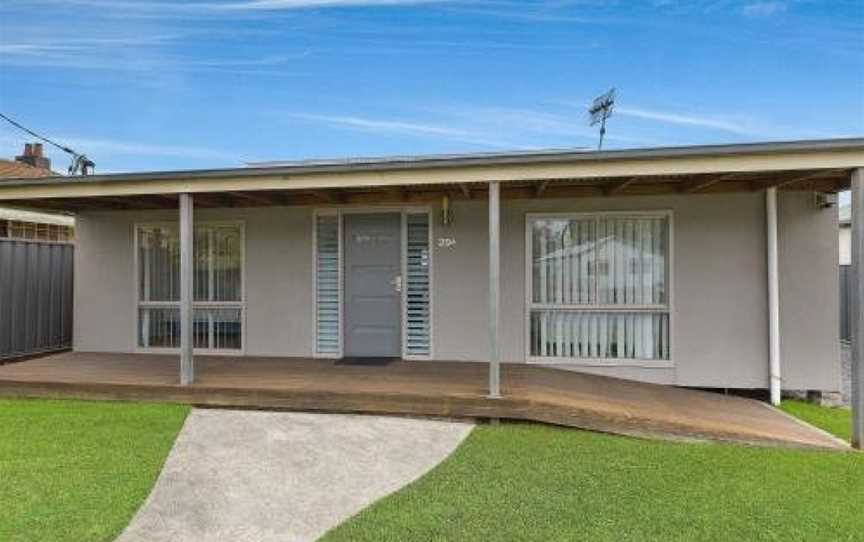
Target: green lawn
[(534, 482), (837, 421), (78, 471)]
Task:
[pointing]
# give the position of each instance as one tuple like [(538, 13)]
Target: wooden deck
[(441, 389)]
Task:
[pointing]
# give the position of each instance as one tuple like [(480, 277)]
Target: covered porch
[(490, 185), (421, 388)]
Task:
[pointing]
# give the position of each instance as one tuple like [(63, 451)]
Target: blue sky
[(149, 85)]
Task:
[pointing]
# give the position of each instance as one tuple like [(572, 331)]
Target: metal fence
[(35, 297), (845, 296)]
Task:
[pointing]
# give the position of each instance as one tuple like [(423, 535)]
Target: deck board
[(423, 388)]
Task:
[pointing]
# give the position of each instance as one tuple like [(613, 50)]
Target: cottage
[(704, 266)]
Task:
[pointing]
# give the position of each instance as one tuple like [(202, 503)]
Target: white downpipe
[(773, 296)]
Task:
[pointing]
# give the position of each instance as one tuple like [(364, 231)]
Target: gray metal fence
[(35, 297), (845, 293)]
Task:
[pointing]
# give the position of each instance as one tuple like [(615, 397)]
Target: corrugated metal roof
[(469, 160)]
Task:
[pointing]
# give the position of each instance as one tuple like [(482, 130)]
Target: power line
[(79, 161), (34, 134)]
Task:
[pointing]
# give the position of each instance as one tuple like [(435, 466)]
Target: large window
[(218, 287), (599, 287)]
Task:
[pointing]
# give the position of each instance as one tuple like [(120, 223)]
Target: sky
[(143, 85)]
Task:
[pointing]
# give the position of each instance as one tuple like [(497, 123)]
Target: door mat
[(366, 361)]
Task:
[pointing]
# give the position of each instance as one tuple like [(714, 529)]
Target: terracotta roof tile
[(10, 169)]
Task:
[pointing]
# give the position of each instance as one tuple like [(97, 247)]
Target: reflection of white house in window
[(218, 287), (599, 287)]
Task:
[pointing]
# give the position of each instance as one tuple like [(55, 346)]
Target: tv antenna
[(80, 163), (600, 110)]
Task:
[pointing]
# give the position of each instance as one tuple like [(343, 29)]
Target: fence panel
[(35, 297), (845, 293)]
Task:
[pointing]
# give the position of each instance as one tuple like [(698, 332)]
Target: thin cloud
[(723, 124), (495, 127), (249, 5), (97, 148), (763, 9), (404, 127)]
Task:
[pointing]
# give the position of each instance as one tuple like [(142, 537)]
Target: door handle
[(397, 283)]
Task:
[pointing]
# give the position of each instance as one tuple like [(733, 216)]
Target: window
[(599, 287), (218, 287), (327, 284), (417, 281)]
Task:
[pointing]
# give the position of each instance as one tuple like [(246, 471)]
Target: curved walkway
[(265, 476)]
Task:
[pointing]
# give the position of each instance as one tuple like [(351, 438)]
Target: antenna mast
[(600, 110)]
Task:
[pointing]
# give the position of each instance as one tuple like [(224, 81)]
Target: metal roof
[(465, 160)]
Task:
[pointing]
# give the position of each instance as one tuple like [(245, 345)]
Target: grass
[(837, 421), (78, 471), (534, 482)]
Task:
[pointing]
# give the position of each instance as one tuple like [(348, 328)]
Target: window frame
[(138, 304), (667, 308)]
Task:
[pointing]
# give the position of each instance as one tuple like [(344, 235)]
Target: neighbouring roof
[(13, 169), (38, 218), (19, 170)]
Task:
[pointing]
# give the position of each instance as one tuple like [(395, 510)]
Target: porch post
[(773, 296), (187, 368), (494, 288), (857, 292)]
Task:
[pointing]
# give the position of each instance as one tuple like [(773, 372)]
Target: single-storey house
[(704, 266)]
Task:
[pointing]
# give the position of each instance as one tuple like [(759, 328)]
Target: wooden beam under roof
[(619, 186), (702, 182), (540, 188), (780, 182), (262, 198)]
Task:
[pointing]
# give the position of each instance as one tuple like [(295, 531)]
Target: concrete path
[(248, 476)]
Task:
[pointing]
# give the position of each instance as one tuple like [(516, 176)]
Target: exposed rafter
[(780, 182), (701, 183), (619, 186), (540, 188)]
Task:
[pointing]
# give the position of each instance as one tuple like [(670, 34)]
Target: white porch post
[(857, 292), (773, 296), (494, 288), (187, 368)]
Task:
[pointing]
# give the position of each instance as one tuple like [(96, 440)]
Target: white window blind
[(600, 287), (417, 285), (217, 286), (327, 287)]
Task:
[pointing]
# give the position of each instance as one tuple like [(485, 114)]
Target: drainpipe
[(773, 296)]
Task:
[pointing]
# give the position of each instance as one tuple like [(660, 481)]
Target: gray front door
[(373, 298)]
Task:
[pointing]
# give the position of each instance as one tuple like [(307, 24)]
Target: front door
[(373, 285)]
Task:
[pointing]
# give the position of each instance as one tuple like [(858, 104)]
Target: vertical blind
[(327, 289), (417, 284), (217, 287), (600, 287)]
